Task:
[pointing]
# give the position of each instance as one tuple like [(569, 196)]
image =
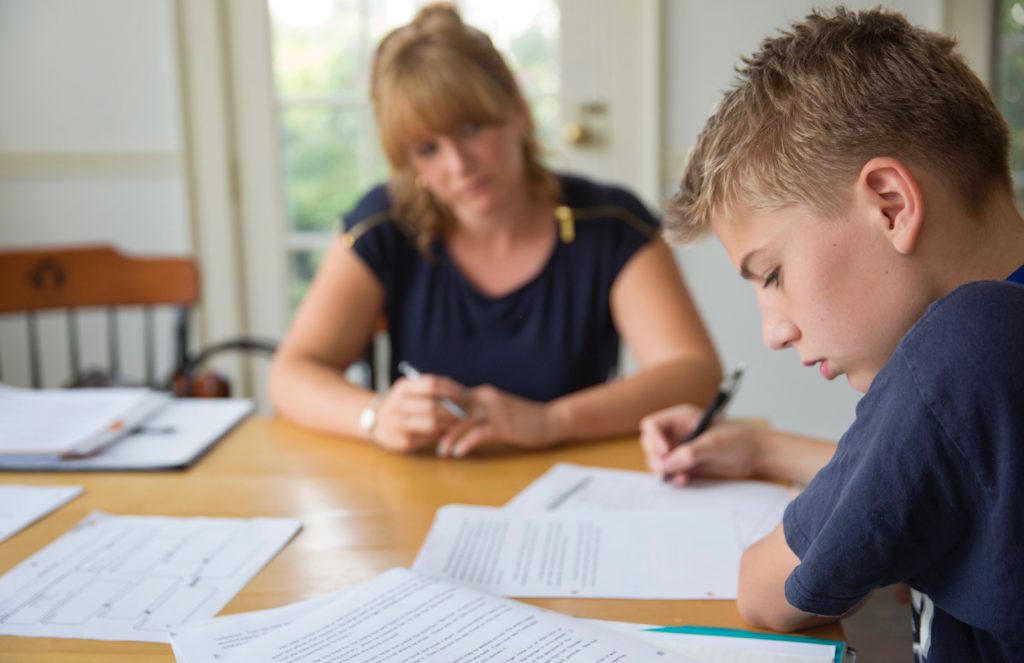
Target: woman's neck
[(521, 221)]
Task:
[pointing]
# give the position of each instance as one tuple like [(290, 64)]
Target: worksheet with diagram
[(131, 577)]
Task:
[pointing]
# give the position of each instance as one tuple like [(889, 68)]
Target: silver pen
[(406, 369)]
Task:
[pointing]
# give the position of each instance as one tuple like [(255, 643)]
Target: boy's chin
[(859, 382)]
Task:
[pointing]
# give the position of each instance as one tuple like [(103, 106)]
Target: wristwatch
[(368, 417)]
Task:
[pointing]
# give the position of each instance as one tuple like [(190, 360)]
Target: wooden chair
[(91, 277)]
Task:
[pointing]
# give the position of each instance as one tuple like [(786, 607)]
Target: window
[(322, 50), (1008, 82)]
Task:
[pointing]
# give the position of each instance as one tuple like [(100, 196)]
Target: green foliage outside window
[(1008, 84)]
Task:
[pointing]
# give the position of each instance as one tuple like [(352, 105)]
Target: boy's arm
[(762, 598)]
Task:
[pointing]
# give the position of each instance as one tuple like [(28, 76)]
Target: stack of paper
[(601, 533), (70, 422), (403, 612), (172, 438), (402, 615)]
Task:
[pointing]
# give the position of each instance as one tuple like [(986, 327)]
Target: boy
[(857, 175)]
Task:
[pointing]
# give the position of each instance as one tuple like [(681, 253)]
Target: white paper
[(208, 640), (757, 505), (130, 577), (53, 422), (173, 437), (404, 616), (22, 505), (690, 554)]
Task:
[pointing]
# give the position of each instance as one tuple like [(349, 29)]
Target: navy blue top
[(550, 337), (927, 485)]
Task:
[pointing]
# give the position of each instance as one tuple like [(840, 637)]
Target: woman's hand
[(497, 416), (412, 416), (728, 450)]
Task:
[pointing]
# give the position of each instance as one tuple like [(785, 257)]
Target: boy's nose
[(778, 333)]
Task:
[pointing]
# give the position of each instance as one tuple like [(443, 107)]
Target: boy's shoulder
[(961, 354), (974, 319)]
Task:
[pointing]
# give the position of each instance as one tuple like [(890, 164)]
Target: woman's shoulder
[(373, 216), (373, 208), (597, 201)]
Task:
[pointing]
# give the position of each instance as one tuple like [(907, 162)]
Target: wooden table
[(363, 511)]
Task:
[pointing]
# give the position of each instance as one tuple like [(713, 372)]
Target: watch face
[(368, 418)]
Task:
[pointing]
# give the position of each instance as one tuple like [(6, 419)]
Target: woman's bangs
[(435, 102)]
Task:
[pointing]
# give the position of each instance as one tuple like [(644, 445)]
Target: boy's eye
[(426, 149), (772, 279)]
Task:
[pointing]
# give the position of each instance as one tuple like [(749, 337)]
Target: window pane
[(329, 161), (526, 33), (1009, 83), (303, 265)]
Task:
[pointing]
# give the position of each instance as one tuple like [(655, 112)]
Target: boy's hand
[(728, 450)]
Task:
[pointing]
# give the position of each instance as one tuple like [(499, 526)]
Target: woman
[(506, 285)]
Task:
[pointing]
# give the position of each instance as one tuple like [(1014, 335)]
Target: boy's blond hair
[(814, 104), (432, 76)]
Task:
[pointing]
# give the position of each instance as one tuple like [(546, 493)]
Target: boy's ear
[(893, 197)]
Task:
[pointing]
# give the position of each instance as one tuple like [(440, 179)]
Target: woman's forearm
[(616, 408), (317, 396)]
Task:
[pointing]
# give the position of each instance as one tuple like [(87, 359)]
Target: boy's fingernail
[(439, 450)]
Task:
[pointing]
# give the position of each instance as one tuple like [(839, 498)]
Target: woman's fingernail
[(439, 450)]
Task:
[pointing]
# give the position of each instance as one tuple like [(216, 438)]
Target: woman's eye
[(469, 129), (426, 149), (772, 279)]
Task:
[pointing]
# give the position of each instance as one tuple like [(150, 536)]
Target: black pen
[(718, 403)]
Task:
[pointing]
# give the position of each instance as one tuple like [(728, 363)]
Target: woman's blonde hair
[(816, 103), (431, 77)]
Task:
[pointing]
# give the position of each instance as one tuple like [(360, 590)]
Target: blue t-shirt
[(552, 336), (927, 485)]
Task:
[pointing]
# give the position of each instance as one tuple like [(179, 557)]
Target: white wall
[(90, 141), (703, 42)]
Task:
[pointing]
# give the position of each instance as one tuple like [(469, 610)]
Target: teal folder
[(840, 647)]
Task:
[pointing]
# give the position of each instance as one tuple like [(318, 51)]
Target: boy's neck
[(987, 248)]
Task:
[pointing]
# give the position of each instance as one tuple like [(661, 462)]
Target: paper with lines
[(691, 554), (756, 506), (130, 577)]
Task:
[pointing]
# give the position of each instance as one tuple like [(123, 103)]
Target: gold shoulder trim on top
[(618, 212), (566, 224), (358, 230)]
